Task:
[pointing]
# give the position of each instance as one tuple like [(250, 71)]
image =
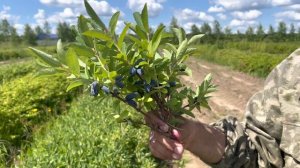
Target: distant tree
[(260, 30), (250, 33), (29, 35), (292, 29), (4, 30), (205, 28), (38, 30), (227, 31), (65, 33), (14, 37), (47, 28), (282, 29), (217, 29), (271, 30), (174, 23), (195, 30)]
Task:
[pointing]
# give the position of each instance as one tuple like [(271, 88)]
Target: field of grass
[(255, 58), (89, 136)]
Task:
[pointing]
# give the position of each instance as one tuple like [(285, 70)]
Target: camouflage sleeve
[(239, 151), (270, 136)]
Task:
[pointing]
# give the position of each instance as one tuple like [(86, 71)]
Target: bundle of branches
[(138, 66)]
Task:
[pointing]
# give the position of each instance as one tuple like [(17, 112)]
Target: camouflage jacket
[(270, 134)]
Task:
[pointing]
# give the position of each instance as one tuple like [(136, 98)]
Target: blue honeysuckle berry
[(120, 84), (132, 103), (105, 89), (153, 83), (132, 71), (115, 91), (140, 71), (131, 96), (172, 84), (95, 88), (147, 88)]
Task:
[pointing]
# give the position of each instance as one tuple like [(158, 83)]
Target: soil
[(234, 90)]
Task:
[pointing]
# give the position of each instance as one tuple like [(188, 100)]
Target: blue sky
[(236, 14)]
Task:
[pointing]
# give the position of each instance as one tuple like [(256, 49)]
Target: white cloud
[(290, 15), (221, 16), (67, 13), (102, 8), (188, 15), (187, 27), (40, 14), (251, 4), (215, 9), (283, 2), (295, 7), (248, 15), (242, 23), (241, 4), (4, 14), (154, 6), (19, 28)]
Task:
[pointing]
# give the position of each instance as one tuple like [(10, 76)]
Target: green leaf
[(145, 18), (94, 15), (82, 50), (180, 33), (83, 27), (47, 72), (74, 84), (122, 35), (195, 38), (138, 20), (155, 41), (59, 48), (72, 62), (48, 59), (98, 35), (113, 22), (181, 49)]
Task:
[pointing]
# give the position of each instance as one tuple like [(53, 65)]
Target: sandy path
[(234, 90)]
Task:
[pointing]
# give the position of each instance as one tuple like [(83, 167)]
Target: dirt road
[(234, 90)]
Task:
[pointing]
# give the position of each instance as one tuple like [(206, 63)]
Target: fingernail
[(176, 134), (175, 156), (178, 150), (164, 128)]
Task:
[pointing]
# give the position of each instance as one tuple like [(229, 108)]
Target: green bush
[(256, 63), (89, 136), (18, 53), (26, 103), (16, 70)]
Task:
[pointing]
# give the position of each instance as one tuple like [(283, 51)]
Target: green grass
[(89, 136), (257, 59)]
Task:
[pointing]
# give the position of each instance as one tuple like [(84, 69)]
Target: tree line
[(215, 32), (9, 34)]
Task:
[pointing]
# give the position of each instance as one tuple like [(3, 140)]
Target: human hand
[(162, 146)]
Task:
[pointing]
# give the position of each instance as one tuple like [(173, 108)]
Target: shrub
[(249, 61), (26, 103), (15, 70), (89, 136)]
